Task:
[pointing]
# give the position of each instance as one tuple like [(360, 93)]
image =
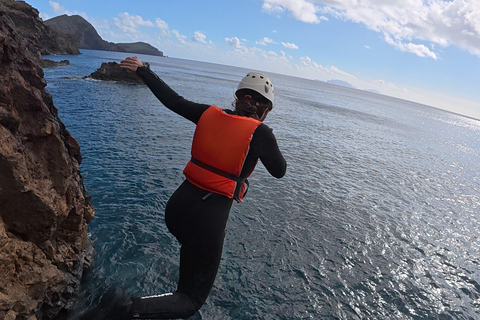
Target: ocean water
[(376, 218)]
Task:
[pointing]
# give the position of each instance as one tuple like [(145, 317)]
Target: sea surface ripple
[(377, 217)]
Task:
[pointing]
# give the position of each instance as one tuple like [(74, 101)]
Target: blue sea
[(376, 218)]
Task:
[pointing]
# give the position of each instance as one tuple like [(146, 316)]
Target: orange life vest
[(220, 146)]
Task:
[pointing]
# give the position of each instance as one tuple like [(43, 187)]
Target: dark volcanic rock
[(111, 71), (88, 38), (40, 39), (44, 208), (47, 63), (83, 32)]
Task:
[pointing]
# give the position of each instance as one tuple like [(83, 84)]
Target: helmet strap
[(264, 115)]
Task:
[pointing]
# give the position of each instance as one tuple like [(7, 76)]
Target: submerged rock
[(111, 71), (44, 208)]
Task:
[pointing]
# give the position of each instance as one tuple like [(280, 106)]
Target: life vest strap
[(237, 179)]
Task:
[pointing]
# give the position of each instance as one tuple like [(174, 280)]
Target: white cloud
[(131, 23), (163, 26), (265, 41), (418, 49), (302, 10), (285, 57), (251, 56), (235, 42), (317, 71), (241, 49), (409, 24), (289, 45), (199, 37), (179, 36), (59, 10)]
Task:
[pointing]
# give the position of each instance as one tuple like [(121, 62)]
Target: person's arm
[(264, 145), (167, 96)]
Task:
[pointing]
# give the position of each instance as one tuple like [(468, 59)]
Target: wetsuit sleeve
[(169, 98), (266, 148)]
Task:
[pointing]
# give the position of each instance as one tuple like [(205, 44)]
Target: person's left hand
[(131, 63)]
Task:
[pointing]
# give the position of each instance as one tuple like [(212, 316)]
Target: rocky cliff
[(88, 38), (40, 39), (44, 208)]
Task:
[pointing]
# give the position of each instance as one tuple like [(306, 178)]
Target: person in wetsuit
[(197, 212)]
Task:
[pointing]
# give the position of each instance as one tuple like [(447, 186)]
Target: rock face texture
[(88, 38), (111, 71), (40, 39), (44, 208), (85, 34)]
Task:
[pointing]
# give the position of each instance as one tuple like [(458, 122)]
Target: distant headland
[(348, 85), (88, 38)]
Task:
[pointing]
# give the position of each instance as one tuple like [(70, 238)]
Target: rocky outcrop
[(44, 208), (47, 63), (88, 38), (111, 71)]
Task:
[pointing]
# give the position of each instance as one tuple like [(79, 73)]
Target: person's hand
[(131, 63)]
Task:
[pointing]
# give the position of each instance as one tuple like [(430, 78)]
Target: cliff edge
[(44, 208)]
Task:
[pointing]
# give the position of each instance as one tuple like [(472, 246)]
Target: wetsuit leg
[(199, 225), (165, 306)]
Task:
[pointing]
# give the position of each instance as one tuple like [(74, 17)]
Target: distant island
[(341, 83), (348, 85), (88, 38)]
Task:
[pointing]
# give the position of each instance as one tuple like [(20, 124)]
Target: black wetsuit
[(198, 222)]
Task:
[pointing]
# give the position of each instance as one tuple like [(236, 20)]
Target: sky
[(426, 51)]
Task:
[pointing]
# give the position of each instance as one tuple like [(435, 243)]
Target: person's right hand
[(131, 63)]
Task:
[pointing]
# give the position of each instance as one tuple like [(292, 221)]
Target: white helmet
[(259, 83)]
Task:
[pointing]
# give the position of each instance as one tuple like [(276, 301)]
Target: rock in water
[(44, 208), (47, 63), (111, 71)]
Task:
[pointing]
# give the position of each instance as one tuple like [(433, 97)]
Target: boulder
[(111, 71)]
